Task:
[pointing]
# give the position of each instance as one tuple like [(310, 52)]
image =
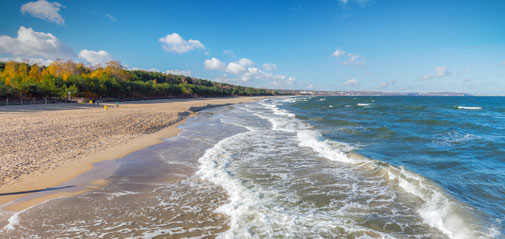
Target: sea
[(303, 167)]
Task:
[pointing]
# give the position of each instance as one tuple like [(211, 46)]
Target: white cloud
[(175, 43), (110, 17), (242, 71), (338, 53), (440, 71), (348, 58), (230, 53), (354, 59), (388, 83), (30, 60), (502, 63), (310, 86), (179, 72), (269, 67), (352, 82), (95, 57), (29, 43), (44, 10), (358, 2), (140, 69), (214, 64), (239, 66)]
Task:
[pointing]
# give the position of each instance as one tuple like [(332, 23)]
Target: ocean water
[(303, 167), (364, 167)]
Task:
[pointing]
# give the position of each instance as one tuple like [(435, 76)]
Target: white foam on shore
[(470, 107), (214, 168), (14, 219), (438, 209), (316, 141)]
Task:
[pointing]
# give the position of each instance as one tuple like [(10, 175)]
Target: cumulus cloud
[(352, 82), (243, 70), (440, 71), (239, 66), (269, 67), (95, 57), (30, 43), (348, 58), (214, 64), (44, 10), (176, 44), (179, 72)]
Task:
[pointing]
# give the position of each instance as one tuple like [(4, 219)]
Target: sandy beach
[(45, 145)]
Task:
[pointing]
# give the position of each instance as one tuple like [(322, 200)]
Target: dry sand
[(43, 146)]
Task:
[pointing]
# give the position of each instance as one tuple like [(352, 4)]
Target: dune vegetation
[(109, 81)]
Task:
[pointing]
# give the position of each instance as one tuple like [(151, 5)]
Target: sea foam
[(469, 107)]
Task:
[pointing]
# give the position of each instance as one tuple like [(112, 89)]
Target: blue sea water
[(456, 142)]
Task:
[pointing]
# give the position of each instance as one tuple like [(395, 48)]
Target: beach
[(43, 146)]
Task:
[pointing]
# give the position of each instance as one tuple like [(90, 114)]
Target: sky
[(365, 45)]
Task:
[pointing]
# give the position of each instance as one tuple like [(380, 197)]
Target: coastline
[(66, 170)]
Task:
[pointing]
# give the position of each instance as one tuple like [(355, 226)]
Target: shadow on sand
[(35, 191)]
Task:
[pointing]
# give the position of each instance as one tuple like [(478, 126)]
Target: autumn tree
[(35, 73), (63, 69)]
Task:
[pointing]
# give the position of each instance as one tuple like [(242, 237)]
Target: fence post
[(33, 100), (7, 100), (45, 99), (21, 100)]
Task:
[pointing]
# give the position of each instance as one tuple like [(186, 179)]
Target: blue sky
[(378, 45)]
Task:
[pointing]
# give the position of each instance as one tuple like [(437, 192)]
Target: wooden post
[(7, 99), (33, 100), (45, 98), (21, 100)]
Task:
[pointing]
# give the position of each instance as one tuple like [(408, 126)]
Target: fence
[(33, 100)]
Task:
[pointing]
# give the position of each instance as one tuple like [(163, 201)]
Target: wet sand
[(46, 145)]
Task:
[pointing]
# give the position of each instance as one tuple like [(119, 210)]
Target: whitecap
[(470, 107)]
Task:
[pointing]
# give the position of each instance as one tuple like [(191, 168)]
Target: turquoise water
[(456, 142)]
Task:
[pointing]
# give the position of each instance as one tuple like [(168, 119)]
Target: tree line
[(112, 80)]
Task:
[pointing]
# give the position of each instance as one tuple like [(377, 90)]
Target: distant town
[(370, 93)]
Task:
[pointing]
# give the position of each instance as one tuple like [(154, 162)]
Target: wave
[(469, 107), (363, 104), (438, 210)]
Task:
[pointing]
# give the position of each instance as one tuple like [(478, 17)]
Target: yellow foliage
[(35, 73), (23, 69), (11, 69), (64, 69), (115, 69)]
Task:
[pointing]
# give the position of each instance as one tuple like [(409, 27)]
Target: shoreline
[(70, 169)]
